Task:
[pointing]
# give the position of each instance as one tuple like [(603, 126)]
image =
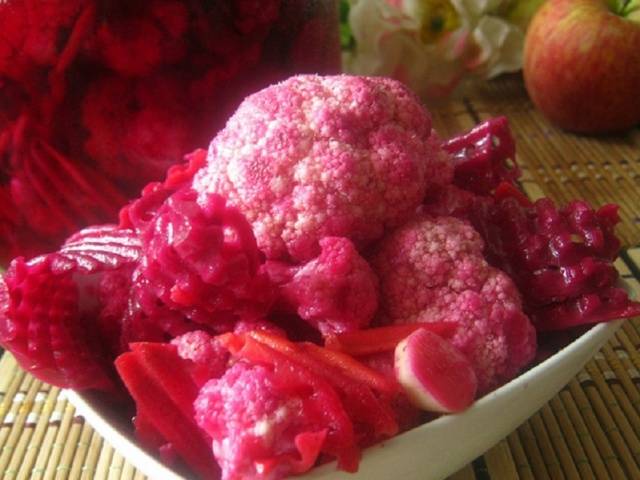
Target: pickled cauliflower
[(431, 270), (335, 292), (324, 156)]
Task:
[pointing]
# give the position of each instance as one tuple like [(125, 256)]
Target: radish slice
[(435, 375)]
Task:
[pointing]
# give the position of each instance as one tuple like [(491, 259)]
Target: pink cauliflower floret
[(208, 356), (432, 269), (254, 423), (324, 156), (335, 292)]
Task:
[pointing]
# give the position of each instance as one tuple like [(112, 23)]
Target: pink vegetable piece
[(484, 156), (434, 374), (202, 260), (432, 270), (335, 292), (315, 156), (54, 316)]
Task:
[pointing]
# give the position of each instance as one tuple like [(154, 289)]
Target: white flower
[(499, 41), (433, 44)]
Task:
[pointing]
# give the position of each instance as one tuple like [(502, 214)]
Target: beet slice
[(435, 375), (484, 156)]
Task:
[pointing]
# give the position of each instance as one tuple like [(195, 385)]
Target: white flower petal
[(501, 45), (476, 8)]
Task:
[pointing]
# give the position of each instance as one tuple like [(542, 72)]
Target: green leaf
[(346, 36)]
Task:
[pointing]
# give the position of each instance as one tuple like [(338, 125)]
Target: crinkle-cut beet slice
[(27, 337), (607, 304), (552, 285), (484, 156), (435, 375), (576, 230), (155, 403), (560, 258), (56, 318), (102, 258), (42, 325), (527, 239), (102, 247)]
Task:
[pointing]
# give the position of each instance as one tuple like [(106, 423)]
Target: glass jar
[(99, 97)]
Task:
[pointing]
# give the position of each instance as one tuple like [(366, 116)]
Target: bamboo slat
[(500, 462), (532, 450), (559, 443), (521, 462), (465, 473), (577, 456), (584, 435)]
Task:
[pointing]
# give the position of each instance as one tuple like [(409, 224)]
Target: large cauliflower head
[(324, 156)]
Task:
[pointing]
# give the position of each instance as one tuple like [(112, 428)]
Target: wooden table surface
[(589, 430)]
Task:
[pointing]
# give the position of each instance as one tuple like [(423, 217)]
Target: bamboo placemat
[(589, 430)]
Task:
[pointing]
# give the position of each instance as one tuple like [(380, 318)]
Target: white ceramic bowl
[(431, 451)]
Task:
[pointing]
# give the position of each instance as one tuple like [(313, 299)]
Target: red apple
[(582, 64)]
